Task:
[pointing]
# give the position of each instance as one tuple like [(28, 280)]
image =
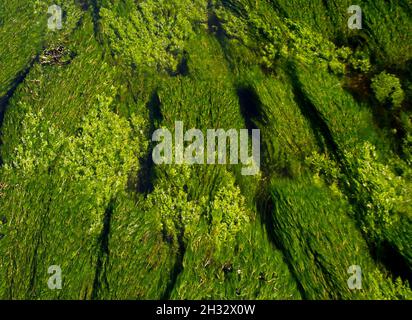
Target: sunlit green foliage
[(78, 188), (388, 90), (152, 33), (317, 235)]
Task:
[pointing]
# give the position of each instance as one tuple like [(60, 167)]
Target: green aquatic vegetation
[(153, 33), (382, 191), (388, 89), (79, 189)]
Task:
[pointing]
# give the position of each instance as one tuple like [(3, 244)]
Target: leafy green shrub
[(406, 120), (382, 193), (386, 25), (273, 37), (263, 30), (337, 67), (384, 288), (227, 215), (359, 61), (325, 170), (380, 190), (387, 88), (104, 153), (39, 145), (153, 33), (178, 215), (3, 187)]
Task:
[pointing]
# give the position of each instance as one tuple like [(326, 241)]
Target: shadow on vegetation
[(252, 111), (146, 172), (100, 279), (266, 209), (319, 126), (4, 101)]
